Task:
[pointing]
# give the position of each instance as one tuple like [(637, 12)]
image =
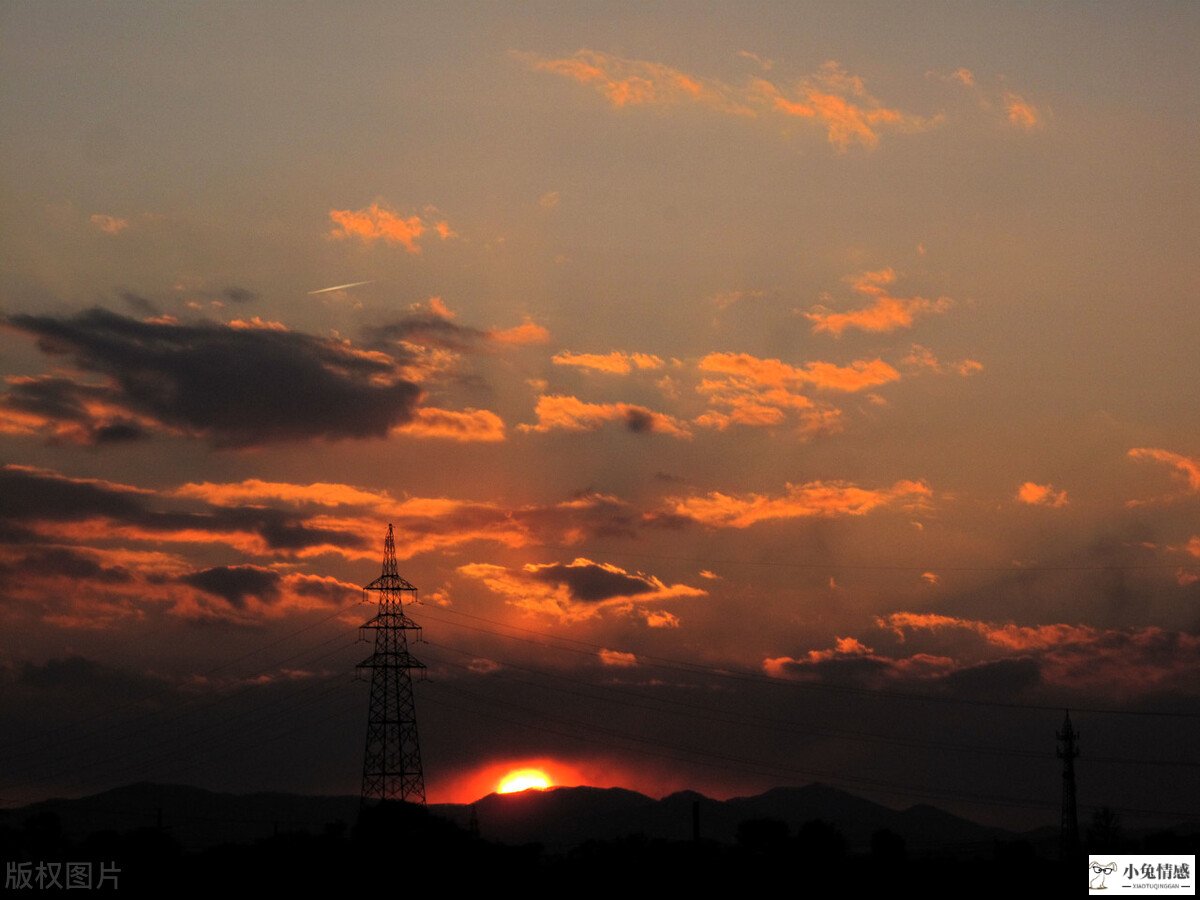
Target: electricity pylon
[(392, 758), (1069, 828)]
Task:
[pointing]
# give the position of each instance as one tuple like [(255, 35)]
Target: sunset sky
[(762, 394)]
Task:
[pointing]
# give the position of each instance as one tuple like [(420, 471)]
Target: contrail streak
[(339, 287)]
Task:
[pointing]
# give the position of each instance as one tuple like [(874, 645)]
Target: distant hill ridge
[(558, 818)]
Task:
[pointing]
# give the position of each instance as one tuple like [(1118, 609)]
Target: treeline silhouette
[(395, 844)]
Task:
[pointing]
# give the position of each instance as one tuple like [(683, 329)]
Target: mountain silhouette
[(565, 817)]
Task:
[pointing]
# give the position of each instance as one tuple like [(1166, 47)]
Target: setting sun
[(523, 780)]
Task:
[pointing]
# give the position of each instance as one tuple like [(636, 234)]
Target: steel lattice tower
[(392, 758), (1069, 829)]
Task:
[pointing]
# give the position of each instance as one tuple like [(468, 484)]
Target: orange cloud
[(109, 224), (631, 82), (859, 375), (832, 97), (885, 313), (851, 658), (1186, 466), (841, 103), (759, 392), (20, 422), (375, 222), (465, 426), (816, 498), (267, 522), (660, 618), (568, 413), (616, 362), (1020, 113), (439, 308), (253, 490), (922, 358), (1041, 495), (578, 590), (528, 332), (617, 658), (1125, 660), (1007, 635), (256, 322), (777, 667)]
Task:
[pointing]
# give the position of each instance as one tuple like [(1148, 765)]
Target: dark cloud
[(236, 583), (329, 592), (30, 495), (118, 433), (594, 515), (639, 421), (593, 583), (999, 679), (76, 674), (239, 294), (33, 494), (139, 304), (54, 397), (66, 409), (66, 563), (238, 386), (429, 329), (857, 671)]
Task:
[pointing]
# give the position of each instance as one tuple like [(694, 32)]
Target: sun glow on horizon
[(524, 780)]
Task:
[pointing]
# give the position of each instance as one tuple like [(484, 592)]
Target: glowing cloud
[(253, 490), (1020, 113), (617, 363), (580, 589), (1130, 659), (568, 413), (617, 658), (1041, 495), (832, 97), (373, 223), (859, 375), (1186, 466), (885, 313), (841, 103), (109, 224), (752, 391), (922, 359), (465, 426), (815, 498), (528, 332), (631, 82)]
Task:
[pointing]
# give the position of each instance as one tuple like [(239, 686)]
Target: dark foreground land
[(399, 847)]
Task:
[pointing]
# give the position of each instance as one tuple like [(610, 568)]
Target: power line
[(708, 562), (747, 675), (133, 701), (658, 703), (727, 762)]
